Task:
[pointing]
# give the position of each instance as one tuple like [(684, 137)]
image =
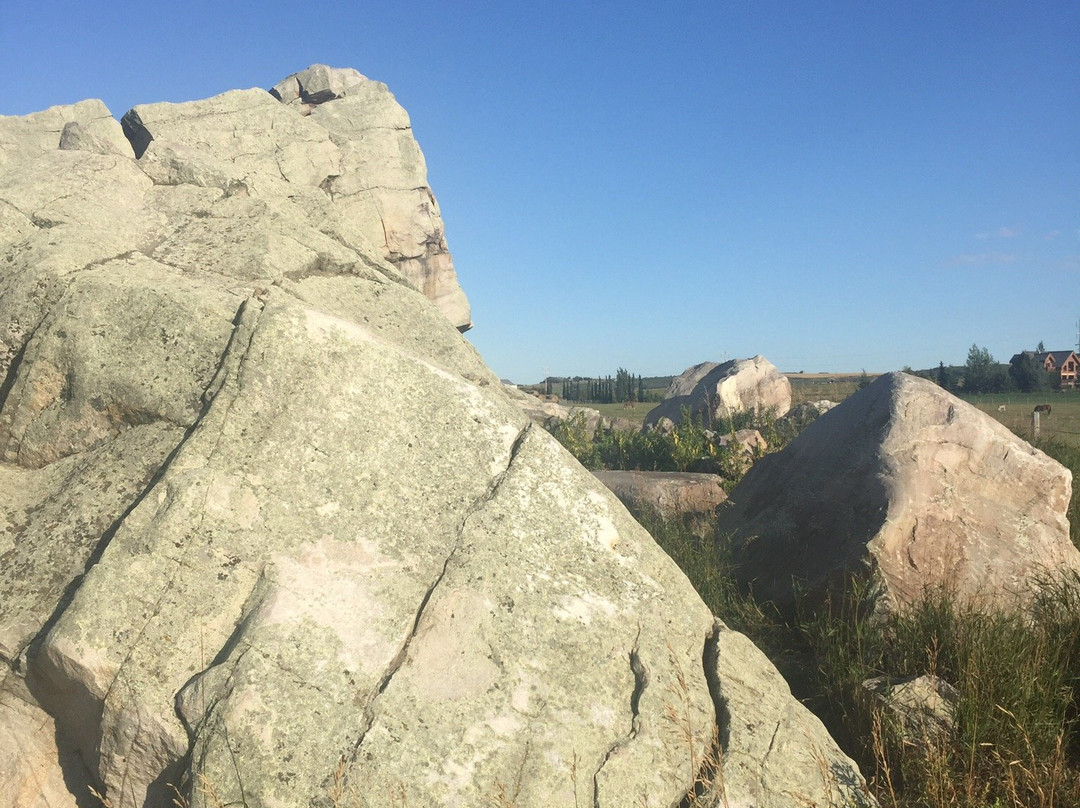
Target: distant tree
[(1039, 348), (944, 380), (982, 373), (1027, 373), (864, 380), (624, 385), (549, 382)]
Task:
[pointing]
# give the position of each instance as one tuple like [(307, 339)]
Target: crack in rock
[(368, 718), (713, 760), (641, 682), (244, 324), (208, 396), (66, 722), (251, 604), (14, 365)]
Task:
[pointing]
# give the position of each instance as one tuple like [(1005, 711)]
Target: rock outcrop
[(910, 488), (712, 391), (272, 535), (334, 132)]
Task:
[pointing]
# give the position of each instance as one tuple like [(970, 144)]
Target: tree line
[(623, 387), (982, 373)]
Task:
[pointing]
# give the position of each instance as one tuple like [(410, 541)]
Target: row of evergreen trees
[(622, 388)]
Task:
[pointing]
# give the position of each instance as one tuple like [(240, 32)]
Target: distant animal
[(1043, 408), (1001, 408)]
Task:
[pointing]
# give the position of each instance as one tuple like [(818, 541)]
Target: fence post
[(1035, 425)]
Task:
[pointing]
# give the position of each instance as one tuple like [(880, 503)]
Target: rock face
[(712, 391), (270, 532), (911, 488), (670, 493), (87, 126), (335, 131)]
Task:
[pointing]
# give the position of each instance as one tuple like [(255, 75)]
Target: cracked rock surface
[(272, 535), (910, 488)]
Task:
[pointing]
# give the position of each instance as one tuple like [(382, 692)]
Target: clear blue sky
[(836, 185)]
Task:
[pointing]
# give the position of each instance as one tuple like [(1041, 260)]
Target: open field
[(817, 386), (1062, 423), (635, 413)]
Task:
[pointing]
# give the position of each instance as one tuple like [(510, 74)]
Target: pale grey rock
[(921, 709), (383, 185), (775, 752), (712, 391), (79, 498), (663, 424), (546, 413), (741, 449), (353, 142), (91, 373), (175, 164), (100, 135), (801, 415), (28, 136), (269, 529), (30, 772), (749, 441), (317, 84), (670, 494), (248, 129), (910, 488)]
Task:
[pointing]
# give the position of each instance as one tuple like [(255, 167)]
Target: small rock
[(670, 494), (924, 707)]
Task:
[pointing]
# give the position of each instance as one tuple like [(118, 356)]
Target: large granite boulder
[(271, 534), (910, 488), (712, 391)]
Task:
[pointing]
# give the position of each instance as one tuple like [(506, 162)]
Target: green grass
[(819, 386), (1063, 422), (635, 414)]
